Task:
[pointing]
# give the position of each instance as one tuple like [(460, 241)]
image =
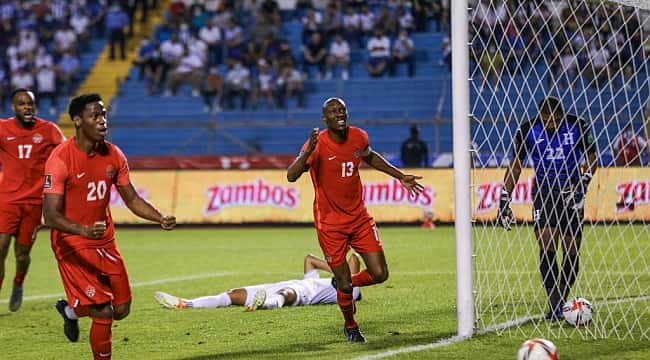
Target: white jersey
[(311, 290)]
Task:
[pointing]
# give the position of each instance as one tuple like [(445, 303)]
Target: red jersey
[(23, 153), (85, 182), (334, 170)]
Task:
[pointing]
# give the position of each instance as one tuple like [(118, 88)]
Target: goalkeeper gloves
[(585, 179), (505, 217), (575, 199)]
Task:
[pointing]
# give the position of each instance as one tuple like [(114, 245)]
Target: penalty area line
[(487, 330)]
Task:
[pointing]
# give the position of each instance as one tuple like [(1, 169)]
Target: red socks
[(347, 308), (100, 338), (362, 278)]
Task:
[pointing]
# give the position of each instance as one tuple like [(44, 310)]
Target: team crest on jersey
[(357, 152), (110, 171), (37, 138), (48, 182), (90, 291)]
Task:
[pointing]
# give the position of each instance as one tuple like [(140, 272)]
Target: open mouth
[(102, 131), (28, 117)]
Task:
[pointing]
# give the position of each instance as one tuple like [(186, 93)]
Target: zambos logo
[(257, 193), (393, 193), (631, 194), (489, 194)]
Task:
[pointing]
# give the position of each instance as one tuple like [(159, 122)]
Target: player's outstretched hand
[(505, 216), (168, 222), (313, 140), (410, 182), (96, 231)]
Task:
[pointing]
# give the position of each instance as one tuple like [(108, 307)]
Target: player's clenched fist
[(96, 231), (505, 217), (313, 140), (168, 222)]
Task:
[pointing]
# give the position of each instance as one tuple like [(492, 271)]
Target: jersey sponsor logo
[(90, 291), (392, 192), (10, 138), (80, 175), (37, 138), (631, 194), (256, 193), (48, 182), (489, 194)]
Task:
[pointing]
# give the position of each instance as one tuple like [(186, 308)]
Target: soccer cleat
[(554, 315), (169, 301), (16, 298), (258, 300), (354, 335), (70, 326)]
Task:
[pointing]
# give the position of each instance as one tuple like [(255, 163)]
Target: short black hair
[(550, 104), (78, 104), (19, 90)]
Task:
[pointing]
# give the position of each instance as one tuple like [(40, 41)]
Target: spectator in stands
[(65, 40), (22, 78), (116, 21), (80, 23), (234, 36), (446, 52), (386, 20), (367, 20), (59, 10), (154, 67), (598, 57), (171, 52), (46, 86), (312, 22), (314, 54), (198, 47), (264, 86), (211, 35), (212, 90), (238, 83), (284, 56), (403, 52), (42, 58), (491, 64), (628, 148), (147, 47), (339, 53), (404, 19), (379, 54), (332, 21), (200, 17), (67, 70), (290, 83), (27, 42), (252, 53), (189, 70), (97, 12), (569, 69), (414, 152), (352, 26)]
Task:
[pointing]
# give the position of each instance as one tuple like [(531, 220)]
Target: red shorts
[(95, 276), (336, 241), (20, 220)]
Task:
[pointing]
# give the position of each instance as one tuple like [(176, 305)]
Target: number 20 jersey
[(85, 183)]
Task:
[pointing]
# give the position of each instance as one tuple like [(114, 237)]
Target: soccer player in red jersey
[(78, 177), (332, 157), (26, 141)]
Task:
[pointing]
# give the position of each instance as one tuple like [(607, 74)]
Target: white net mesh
[(592, 55)]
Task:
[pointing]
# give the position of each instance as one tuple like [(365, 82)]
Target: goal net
[(594, 57)]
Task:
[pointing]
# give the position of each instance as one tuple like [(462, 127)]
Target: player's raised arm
[(299, 165), (378, 162), (143, 208)]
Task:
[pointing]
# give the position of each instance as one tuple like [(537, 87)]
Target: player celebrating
[(26, 141), (332, 157), (557, 143), (311, 290), (78, 177)]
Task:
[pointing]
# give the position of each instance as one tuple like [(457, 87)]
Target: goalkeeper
[(557, 144)]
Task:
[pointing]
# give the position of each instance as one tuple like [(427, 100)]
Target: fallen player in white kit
[(311, 290)]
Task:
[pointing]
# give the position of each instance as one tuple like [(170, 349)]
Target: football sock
[(70, 314), (362, 278), (100, 338), (570, 268), (346, 303), (549, 271), (216, 301), (19, 278), (274, 301)]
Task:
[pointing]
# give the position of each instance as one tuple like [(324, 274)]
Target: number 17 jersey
[(85, 183)]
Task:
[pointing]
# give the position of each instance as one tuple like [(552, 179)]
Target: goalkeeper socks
[(362, 278), (216, 301), (570, 268), (274, 301), (100, 338), (549, 271), (346, 303)]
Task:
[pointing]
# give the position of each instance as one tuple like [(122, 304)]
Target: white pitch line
[(489, 329), (135, 285)]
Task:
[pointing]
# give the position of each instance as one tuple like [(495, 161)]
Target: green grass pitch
[(416, 306)]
